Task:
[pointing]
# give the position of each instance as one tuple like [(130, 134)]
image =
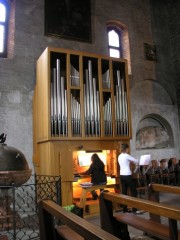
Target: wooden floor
[(171, 199)]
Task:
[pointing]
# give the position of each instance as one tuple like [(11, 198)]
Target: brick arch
[(125, 40)]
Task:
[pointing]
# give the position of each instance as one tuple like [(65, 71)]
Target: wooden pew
[(154, 191), (75, 227), (109, 218), (164, 188)]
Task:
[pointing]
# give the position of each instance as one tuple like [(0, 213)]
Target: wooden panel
[(56, 159), (42, 97), (49, 164), (66, 193), (64, 157), (35, 147), (128, 100)]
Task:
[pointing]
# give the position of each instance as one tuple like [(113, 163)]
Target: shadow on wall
[(154, 132)]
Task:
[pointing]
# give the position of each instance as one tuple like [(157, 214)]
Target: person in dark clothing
[(97, 172), (173, 171), (164, 171)]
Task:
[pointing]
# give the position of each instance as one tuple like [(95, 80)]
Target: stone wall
[(149, 98), (18, 74), (166, 34)]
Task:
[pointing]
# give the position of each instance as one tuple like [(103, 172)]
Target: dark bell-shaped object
[(14, 168)]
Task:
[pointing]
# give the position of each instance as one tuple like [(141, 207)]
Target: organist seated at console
[(97, 172)]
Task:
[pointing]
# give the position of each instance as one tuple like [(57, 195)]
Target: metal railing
[(18, 206)]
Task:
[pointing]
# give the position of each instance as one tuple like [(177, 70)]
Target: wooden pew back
[(108, 217), (146, 205), (154, 191), (164, 188), (48, 210)]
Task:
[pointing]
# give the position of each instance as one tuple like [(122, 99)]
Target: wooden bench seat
[(146, 225), (151, 226), (67, 233), (109, 218)]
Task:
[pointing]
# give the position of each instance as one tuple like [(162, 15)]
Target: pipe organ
[(81, 102)]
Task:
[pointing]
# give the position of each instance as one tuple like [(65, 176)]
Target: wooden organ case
[(81, 103)]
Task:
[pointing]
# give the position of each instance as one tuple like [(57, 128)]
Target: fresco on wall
[(152, 137)]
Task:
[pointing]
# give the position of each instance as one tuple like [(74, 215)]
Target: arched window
[(3, 28), (114, 42), (118, 41)]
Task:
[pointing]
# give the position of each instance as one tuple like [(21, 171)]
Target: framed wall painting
[(150, 52), (69, 19)]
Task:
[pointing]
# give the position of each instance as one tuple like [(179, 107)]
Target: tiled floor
[(170, 199)]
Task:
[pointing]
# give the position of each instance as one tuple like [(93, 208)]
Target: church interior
[(80, 78)]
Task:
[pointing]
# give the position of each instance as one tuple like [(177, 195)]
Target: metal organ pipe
[(106, 80), (65, 111), (55, 100), (121, 114), (58, 103), (107, 118), (59, 126), (91, 104), (52, 108), (59, 107), (75, 116)]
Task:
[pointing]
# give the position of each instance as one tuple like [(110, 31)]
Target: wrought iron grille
[(19, 206)]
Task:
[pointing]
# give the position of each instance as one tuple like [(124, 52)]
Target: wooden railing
[(77, 227), (164, 188)]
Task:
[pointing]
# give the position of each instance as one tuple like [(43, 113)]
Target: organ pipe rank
[(58, 103), (92, 117), (91, 104), (121, 110)]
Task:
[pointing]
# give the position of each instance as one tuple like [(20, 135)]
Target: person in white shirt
[(124, 160)]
